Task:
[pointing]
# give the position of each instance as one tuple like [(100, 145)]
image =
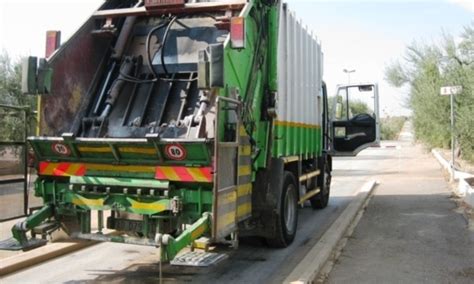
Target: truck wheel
[(320, 201), (287, 221)]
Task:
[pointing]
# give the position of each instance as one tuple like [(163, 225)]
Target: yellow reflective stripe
[(297, 124), (170, 173), (227, 198), (244, 210), (107, 149), (197, 174), (38, 111), (94, 149), (81, 201), (114, 168), (243, 132), (73, 168), (155, 206), (245, 170), (199, 231), (137, 150), (225, 220), (49, 169), (244, 189), (245, 150)]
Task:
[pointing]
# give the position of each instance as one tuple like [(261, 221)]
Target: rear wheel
[(287, 221), (321, 200)]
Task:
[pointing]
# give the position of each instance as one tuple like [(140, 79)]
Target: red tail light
[(237, 32), (53, 41)]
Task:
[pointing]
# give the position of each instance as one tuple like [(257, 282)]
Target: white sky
[(361, 35)]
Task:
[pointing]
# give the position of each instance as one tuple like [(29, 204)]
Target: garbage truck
[(175, 124)]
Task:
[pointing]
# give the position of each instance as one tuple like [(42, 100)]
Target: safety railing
[(14, 164)]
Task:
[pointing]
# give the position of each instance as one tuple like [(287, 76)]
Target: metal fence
[(15, 185)]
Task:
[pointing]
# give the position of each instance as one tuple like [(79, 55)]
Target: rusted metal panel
[(72, 78)]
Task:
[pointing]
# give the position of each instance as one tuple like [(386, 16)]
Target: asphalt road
[(253, 262), (412, 231)]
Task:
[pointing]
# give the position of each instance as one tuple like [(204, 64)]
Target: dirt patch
[(467, 272)]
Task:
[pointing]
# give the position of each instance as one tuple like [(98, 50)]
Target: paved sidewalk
[(411, 231)]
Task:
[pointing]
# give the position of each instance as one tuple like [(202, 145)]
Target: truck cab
[(354, 121)]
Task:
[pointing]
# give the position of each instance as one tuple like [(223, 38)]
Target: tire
[(320, 200), (287, 221)]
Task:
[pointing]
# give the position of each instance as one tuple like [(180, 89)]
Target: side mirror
[(36, 80), (211, 67), (44, 77), (29, 68), (366, 88)]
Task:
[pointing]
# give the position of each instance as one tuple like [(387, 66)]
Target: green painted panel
[(297, 140), (121, 182), (142, 153)]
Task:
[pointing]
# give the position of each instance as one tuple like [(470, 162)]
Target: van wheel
[(320, 200), (287, 221)]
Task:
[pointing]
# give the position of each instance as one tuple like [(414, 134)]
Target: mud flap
[(266, 197)]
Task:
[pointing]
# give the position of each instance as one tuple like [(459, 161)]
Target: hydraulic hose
[(147, 47), (165, 38)]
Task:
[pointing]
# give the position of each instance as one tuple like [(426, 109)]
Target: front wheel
[(287, 220)]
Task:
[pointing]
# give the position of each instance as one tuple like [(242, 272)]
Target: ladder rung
[(309, 175), (308, 195)]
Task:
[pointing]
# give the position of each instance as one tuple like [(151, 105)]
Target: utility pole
[(452, 91), (348, 72)]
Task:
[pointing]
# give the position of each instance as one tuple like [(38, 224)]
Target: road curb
[(464, 188), (36, 256), (447, 166), (308, 268)]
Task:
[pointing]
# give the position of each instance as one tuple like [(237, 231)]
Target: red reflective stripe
[(42, 167), (183, 174), (159, 174), (61, 169), (207, 172), (81, 171)]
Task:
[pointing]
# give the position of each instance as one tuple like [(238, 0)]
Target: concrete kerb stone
[(464, 188), (312, 264), (36, 256)]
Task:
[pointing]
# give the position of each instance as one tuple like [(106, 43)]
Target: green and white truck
[(185, 123)]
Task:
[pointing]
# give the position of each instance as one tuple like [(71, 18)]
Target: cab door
[(354, 123)]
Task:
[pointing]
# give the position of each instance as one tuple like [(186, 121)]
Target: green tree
[(12, 121), (358, 107), (425, 69)]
